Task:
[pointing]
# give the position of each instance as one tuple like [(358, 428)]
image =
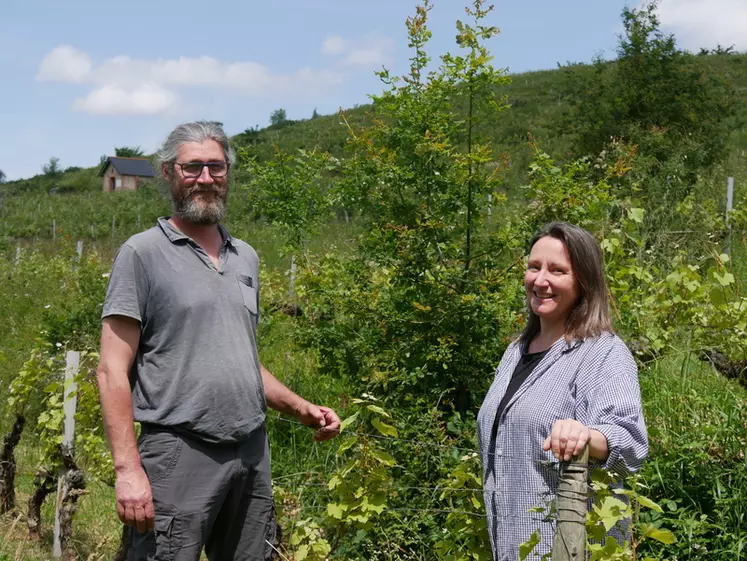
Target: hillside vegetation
[(539, 109)]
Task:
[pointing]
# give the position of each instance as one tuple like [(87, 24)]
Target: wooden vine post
[(70, 483), (569, 543)]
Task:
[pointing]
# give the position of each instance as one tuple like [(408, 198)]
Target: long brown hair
[(590, 316)]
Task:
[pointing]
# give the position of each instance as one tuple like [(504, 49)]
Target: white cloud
[(333, 45), (706, 23), (369, 52), (366, 57), (145, 86), (114, 100), (64, 64)]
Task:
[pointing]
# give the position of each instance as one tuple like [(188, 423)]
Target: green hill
[(539, 109)]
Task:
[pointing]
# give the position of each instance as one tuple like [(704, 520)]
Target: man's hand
[(134, 499), (567, 439), (324, 419)]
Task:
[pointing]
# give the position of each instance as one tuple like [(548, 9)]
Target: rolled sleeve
[(127, 293), (613, 407)]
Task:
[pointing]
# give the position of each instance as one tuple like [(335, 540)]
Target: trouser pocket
[(156, 545)]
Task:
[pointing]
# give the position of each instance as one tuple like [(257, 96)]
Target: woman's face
[(552, 290)]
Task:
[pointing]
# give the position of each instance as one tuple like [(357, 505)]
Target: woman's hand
[(567, 439)]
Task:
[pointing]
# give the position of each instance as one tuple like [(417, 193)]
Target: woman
[(567, 381)]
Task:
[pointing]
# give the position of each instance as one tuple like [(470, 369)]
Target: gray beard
[(200, 214), (189, 210)]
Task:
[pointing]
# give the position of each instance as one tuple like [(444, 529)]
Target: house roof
[(129, 166)]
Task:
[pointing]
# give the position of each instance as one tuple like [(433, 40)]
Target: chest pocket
[(248, 292)]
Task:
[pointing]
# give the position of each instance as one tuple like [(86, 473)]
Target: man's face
[(197, 196)]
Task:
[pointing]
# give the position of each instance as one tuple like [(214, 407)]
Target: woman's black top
[(521, 373)]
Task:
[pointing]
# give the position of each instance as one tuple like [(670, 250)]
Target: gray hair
[(198, 131)]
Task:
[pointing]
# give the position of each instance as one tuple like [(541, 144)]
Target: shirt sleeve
[(127, 293), (610, 402)]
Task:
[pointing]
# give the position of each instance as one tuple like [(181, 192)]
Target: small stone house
[(124, 174)]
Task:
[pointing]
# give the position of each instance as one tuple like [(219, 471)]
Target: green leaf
[(346, 444), (383, 457), (333, 482), (648, 503), (611, 511), (378, 410), (636, 215), (383, 428), (717, 296), (302, 552), (347, 422), (336, 510), (724, 280), (528, 546), (660, 535)]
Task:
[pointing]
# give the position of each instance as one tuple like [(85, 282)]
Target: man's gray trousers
[(217, 496)]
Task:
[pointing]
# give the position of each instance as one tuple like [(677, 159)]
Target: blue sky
[(79, 78)]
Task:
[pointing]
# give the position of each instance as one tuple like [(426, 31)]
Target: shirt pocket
[(248, 292)]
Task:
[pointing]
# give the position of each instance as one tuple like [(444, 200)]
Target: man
[(179, 355)]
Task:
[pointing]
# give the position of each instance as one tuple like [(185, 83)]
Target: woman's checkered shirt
[(594, 381)]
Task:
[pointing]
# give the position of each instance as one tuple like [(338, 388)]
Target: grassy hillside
[(538, 110)]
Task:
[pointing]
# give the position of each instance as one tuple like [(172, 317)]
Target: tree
[(278, 117), (52, 168), (290, 190), (129, 152), (428, 303), (653, 91), (315, 114), (676, 112), (2, 176)]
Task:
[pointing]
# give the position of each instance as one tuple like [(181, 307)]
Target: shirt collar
[(176, 235), (171, 232), (561, 346)]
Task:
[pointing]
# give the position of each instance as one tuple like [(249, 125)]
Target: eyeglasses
[(194, 169)]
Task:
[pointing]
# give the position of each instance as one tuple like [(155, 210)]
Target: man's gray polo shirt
[(197, 368)]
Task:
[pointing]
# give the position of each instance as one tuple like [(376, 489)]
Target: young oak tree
[(426, 315)]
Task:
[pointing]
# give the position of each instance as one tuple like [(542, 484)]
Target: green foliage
[(421, 177), (129, 152), (613, 508), (52, 167), (307, 541), (698, 436), (677, 113), (75, 319), (465, 534), (38, 393), (360, 486), (80, 180), (2, 177), (278, 117), (613, 530), (291, 191), (25, 388)]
